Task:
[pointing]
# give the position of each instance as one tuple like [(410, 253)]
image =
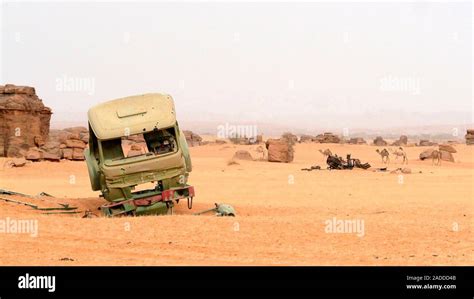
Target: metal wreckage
[(160, 157), (336, 162), (134, 141)]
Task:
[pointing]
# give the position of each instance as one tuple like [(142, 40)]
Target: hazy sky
[(303, 64)]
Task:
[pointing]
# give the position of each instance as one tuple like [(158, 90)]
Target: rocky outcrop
[(470, 137), (357, 140), (447, 148), (192, 139), (66, 144), (327, 137), (379, 141), (426, 142), (24, 120), (402, 141), (306, 138), (279, 150), (290, 137)]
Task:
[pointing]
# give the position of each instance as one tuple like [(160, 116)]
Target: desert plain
[(421, 218)]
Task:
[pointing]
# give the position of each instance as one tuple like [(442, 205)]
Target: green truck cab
[(133, 141)]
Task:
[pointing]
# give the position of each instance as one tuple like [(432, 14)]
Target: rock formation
[(357, 140), (192, 139), (327, 137), (402, 141), (23, 119), (279, 150), (379, 141), (470, 137)]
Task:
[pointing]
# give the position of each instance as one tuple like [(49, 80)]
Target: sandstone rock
[(447, 148), (357, 140), (76, 130), (379, 141), (469, 137), (22, 116), (14, 89), (279, 150), (74, 136), (242, 155), (34, 155), (51, 156), (425, 142), (78, 154), (306, 138), (426, 154), (67, 153), (292, 138), (447, 156), (192, 139), (74, 143), (402, 141), (327, 138), (39, 141), (19, 162)]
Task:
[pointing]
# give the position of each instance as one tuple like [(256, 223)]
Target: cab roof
[(132, 115)]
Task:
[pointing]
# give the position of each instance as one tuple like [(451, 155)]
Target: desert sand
[(422, 218)]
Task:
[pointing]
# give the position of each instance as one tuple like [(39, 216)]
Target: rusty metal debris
[(220, 210), (89, 214)]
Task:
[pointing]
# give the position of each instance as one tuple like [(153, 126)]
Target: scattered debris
[(66, 259), (221, 209), (401, 170), (336, 162), (89, 214), (315, 167)]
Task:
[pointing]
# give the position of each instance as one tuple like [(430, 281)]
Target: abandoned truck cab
[(134, 141)]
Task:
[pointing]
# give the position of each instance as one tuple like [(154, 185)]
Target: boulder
[(402, 141), (279, 150), (52, 156), (357, 140), (470, 137), (75, 143), (379, 141), (67, 153), (23, 117), (192, 139), (292, 138), (426, 154), (34, 155), (39, 141), (19, 162), (425, 142), (306, 138), (78, 154), (447, 148), (447, 156), (242, 155), (327, 137)]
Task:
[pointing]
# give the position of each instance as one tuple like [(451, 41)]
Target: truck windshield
[(156, 142)]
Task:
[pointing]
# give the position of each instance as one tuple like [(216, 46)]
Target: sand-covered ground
[(423, 218)]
